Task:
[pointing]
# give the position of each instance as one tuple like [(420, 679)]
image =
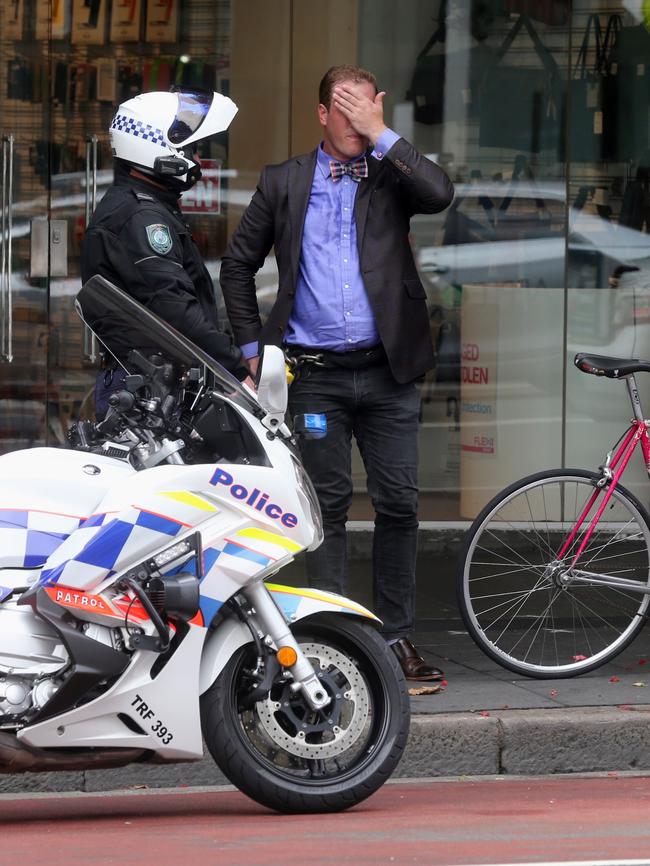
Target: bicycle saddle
[(612, 368)]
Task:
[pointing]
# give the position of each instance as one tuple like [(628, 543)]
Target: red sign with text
[(205, 196)]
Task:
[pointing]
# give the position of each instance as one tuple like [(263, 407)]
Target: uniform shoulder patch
[(143, 196), (160, 238)]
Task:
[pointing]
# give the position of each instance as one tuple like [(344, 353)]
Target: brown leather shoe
[(414, 666)]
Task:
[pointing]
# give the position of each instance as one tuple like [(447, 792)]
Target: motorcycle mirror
[(272, 391)]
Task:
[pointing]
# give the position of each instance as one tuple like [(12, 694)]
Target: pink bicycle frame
[(612, 472)]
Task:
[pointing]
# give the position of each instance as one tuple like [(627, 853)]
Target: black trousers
[(383, 417)]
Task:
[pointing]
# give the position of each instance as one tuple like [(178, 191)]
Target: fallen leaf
[(424, 690), (638, 685), (505, 706), (553, 693), (614, 773), (614, 679), (625, 707), (484, 713), (579, 658)]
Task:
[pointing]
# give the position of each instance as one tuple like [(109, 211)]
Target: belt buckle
[(316, 360)]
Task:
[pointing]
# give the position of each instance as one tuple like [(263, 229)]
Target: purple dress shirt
[(331, 308)]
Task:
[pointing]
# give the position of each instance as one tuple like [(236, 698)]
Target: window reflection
[(609, 194), (482, 89), (538, 109)]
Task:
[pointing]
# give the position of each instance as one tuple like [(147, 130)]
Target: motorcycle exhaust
[(17, 757)]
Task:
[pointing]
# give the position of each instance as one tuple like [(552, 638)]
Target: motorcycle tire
[(294, 760)]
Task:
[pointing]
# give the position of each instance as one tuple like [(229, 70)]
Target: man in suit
[(351, 312)]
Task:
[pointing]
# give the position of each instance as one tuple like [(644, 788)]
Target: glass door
[(101, 57), (24, 199), (65, 65)]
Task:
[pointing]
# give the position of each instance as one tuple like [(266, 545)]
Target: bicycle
[(554, 573)]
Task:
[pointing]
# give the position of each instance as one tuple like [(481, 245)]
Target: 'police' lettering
[(255, 498)]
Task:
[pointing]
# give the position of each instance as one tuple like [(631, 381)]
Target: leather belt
[(355, 359)]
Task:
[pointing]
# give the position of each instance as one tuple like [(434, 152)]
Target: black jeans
[(383, 417)]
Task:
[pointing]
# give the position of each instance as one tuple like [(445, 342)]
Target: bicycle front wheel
[(523, 600)]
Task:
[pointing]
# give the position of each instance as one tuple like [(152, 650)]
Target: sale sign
[(205, 196)]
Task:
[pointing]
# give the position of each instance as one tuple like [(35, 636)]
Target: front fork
[(274, 631)]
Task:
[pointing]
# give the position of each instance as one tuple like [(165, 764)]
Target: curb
[(528, 742), (508, 742)]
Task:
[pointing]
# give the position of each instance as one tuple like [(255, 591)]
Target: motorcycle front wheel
[(292, 759)]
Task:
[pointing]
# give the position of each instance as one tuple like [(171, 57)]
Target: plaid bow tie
[(357, 169)]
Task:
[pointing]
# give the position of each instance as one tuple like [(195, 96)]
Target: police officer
[(137, 237)]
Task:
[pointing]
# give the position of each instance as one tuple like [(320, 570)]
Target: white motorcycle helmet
[(158, 132)]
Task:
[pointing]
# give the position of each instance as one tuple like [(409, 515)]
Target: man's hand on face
[(366, 115)]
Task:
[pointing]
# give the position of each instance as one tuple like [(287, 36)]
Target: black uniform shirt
[(138, 240)]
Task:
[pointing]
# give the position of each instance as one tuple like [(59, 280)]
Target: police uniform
[(138, 240)]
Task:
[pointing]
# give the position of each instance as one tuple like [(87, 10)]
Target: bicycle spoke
[(532, 625), (502, 540), (504, 558), (518, 593), (532, 523), (504, 573), (613, 538), (518, 605)]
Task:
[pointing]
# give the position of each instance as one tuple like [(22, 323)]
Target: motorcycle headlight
[(308, 494)]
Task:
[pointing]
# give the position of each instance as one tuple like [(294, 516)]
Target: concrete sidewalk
[(489, 720), (486, 719)]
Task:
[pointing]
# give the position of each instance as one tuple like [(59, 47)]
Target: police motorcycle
[(137, 612)]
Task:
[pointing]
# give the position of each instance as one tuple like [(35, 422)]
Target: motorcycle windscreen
[(108, 310)]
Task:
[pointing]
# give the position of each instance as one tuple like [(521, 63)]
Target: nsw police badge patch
[(159, 237)]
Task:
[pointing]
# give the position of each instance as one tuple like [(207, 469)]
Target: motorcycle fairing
[(127, 713), (47, 494), (157, 512), (159, 713), (105, 544), (149, 509), (28, 537), (92, 662)]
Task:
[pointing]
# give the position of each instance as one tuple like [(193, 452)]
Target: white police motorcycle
[(135, 616)]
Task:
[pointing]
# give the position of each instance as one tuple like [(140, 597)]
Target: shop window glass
[(608, 303), (481, 88), (541, 118), (24, 125)]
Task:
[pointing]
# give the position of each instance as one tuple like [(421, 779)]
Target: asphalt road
[(603, 819)]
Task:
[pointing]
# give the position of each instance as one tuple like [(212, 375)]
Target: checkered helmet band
[(131, 126)]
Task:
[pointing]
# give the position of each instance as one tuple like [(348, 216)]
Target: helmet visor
[(193, 106)]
